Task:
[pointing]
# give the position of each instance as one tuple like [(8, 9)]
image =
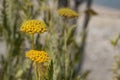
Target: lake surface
[(108, 3)]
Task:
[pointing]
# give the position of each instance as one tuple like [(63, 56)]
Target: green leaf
[(114, 41)]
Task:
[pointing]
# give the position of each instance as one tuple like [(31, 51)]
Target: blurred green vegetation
[(59, 41), (116, 64)]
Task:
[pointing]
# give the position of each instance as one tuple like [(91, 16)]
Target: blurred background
[(98, 54)]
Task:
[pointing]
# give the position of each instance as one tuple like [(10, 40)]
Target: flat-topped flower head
[(33, 26), (91, 12), (68, 13), (37, 56)]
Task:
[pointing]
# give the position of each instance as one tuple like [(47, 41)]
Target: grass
[(59, 42)]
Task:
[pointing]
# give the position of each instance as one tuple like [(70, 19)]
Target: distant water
[(108, 3)]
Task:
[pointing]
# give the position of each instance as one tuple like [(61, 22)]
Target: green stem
[(35, 64), (66, 55), (36, 72), (32, 46)]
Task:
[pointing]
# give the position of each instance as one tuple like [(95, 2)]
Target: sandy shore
[(99, 52)]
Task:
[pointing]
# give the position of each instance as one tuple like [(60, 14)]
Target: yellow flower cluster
[(91, 12), (37, 56), (33, 26), (68, 13)]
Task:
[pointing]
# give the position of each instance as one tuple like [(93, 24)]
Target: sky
[(108, 3)]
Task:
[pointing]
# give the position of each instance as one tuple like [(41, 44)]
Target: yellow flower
[(33, 26), (37, 56), (66, 12), (91, 12)]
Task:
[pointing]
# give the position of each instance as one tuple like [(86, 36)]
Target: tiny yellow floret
[(68, 13), (33, 26), (37, 56)]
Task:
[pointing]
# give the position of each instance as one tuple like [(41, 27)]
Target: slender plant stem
[(65, 51), (66, 54), (36, 72), (34, 64), (63, 3), (84, 37), (32, 46)]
